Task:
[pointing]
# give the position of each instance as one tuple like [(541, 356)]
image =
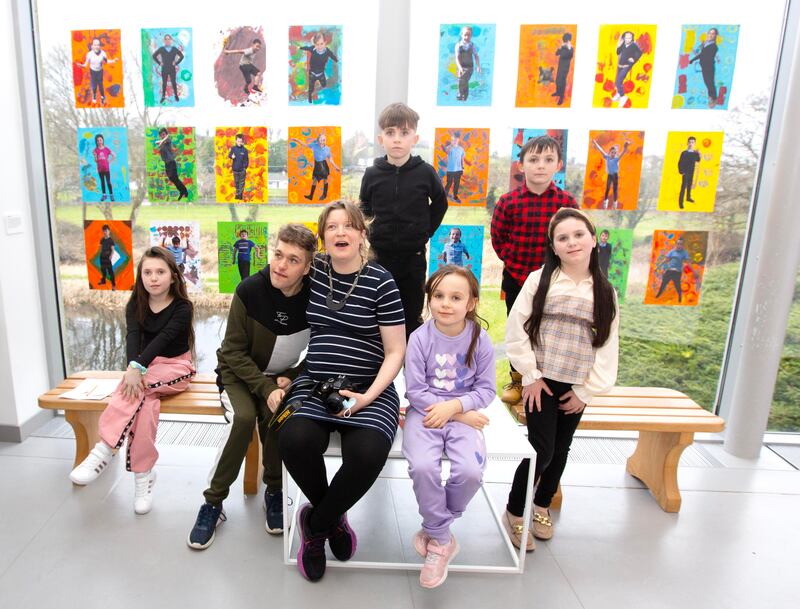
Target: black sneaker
[(208, 518), (311, 555), (273, 504), (342, 540)]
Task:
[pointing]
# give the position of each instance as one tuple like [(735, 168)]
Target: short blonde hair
[(354, 214)]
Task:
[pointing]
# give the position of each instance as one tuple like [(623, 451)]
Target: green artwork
[(241, 251), (171, 171), (614, 250)]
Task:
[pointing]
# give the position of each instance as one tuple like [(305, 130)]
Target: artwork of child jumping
[(323, 160), (252, 75), (686, 165), (455, 165), (455, 250), (612, 170), (467, 62), (628, 53), (168, 57), (95, 59), (167, 152), (240, 161), (318, 56)]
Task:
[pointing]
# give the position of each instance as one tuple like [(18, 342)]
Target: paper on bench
[(92, 389)]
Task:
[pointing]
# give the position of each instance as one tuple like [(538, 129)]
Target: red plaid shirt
[(519, 227)]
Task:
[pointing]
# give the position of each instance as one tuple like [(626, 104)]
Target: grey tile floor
[(735, 543)]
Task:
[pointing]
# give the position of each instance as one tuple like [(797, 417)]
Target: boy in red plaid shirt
[(519, 225)]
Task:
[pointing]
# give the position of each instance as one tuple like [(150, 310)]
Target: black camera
[(328, 392)]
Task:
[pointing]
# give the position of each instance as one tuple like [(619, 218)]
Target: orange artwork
[(97, 69), (241, 171), (613, 170), (677, 263), (315, 164), (546, 65), (109, 254), (461, 158)]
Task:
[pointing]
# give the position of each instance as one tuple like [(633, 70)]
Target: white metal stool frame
[(504, 439)]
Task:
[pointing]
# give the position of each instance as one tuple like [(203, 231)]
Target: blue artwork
[(705, 66), (466, 64), (167, 67), (458, 244), (103, 164)]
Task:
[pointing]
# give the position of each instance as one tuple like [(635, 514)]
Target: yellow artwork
[(691, 171), (240, 164), (624, 70)]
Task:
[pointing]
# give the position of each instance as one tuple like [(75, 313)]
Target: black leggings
[(674, 276), (612, 181), (168, 74), (550, 433), (105, 179), (303, 442), (171, 169)]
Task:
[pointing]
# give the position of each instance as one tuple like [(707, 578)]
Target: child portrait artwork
[(97, 77), (624, 72), (614, 247), (458, 244), (182, 239), (315, 161), (315, 68), (239, 67), (171, 170), (546, 65), (516, 177), (241, 251), (240, 164), (706, 63), (691, 171), (613, 170), (109, 254), (103, 164), (167, 67), (677, 263), (461, 158), (466, 64)]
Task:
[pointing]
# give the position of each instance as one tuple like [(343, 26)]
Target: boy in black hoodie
[(403, 197)]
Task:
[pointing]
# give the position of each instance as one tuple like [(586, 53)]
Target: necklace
[(332, 304)]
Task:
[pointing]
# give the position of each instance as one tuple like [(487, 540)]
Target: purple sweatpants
[(423, 448), (137, 419)]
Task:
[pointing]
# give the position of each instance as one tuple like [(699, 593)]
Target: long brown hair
[(478, 322), (604, 307), (140, 299)]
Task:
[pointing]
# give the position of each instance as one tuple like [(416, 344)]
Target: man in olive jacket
[(266, 334)]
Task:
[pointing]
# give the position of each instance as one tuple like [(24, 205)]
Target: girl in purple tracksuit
[(450, 376)]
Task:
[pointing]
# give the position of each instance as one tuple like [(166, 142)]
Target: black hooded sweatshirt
[(406, 204)]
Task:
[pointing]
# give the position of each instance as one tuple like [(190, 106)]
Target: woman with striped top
[(357, 330), (563, 338)]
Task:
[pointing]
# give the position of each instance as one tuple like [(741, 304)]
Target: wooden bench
[(201, 398), (666, 421)]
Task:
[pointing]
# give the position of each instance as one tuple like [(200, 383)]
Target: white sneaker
[(143, 499), (93, 465), (622, 101), (615, 98)]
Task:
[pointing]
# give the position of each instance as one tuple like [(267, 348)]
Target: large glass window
[(785, 413)]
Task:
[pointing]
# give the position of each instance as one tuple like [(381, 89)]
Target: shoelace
[(208, 516), (434, 554), (143, 485)]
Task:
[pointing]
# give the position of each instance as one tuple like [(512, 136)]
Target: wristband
[(137, 366)]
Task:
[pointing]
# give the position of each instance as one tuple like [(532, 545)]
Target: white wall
[(23, 367)]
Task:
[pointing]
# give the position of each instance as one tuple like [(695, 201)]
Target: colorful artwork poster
[(97, 77), (691, 171), (613, 170), (240, 164), (459, 244), (171, 170), (624, 66), (677, 263), (705, 66), (461, 157), (546, 65), (315, 164), (103, 164), (614, 253), (240, 65), (312, 226), (241, 251), (315, 68), (521, 136), (109, 254), (167, 67), (182, 239), (466, 64)]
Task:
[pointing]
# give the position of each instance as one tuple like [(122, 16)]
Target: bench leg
[(85, 425), (655, 462), (252, 465)]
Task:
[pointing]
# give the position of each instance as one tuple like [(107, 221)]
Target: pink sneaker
[(434, 571), (421, 540)]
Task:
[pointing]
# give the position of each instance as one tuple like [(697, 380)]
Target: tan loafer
[(542, 526), (514, 526)]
